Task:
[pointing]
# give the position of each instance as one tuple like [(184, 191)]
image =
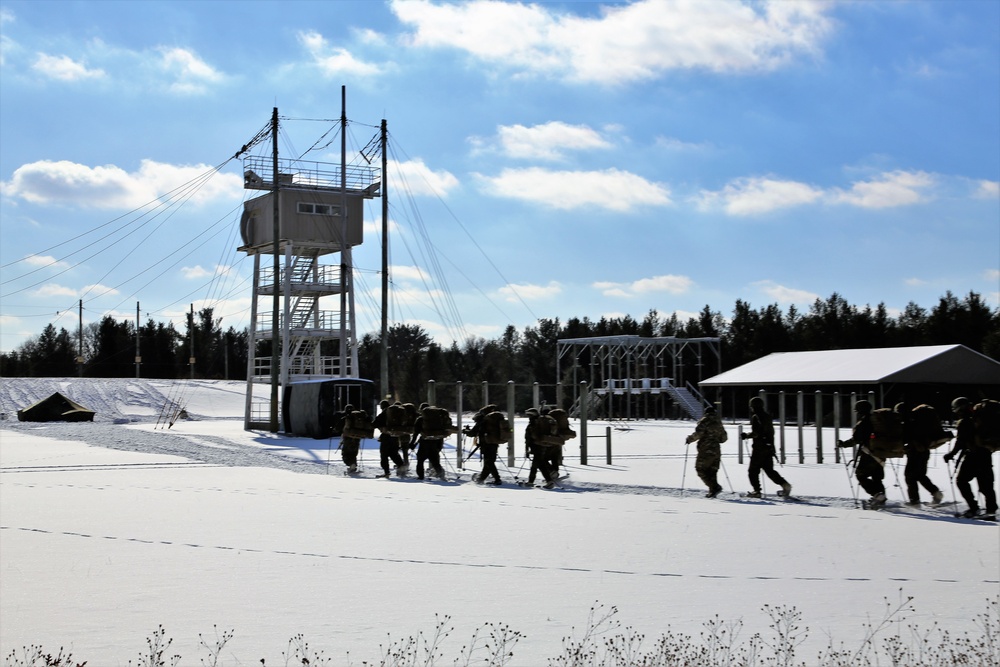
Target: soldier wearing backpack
[(544, 458), (920, 429), (349, 445), (429, 444), (869, 469), (388, 444), (976, 463), (762, 450), (709, 433), (488, 429)]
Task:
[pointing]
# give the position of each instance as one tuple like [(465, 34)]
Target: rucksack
[(545, 431), (887, 434), (562, 421), (359, 425), (397, 422), (495, 429), (925, 428), (714, 429), (986, 417), (436, 423)]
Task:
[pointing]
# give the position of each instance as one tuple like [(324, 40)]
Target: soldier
[(429, 446), (349, 445), (709, 434), (762, 449), (388, 444), (918, 438), (976, 463), (488, 447), (543, 457), (869, 470)]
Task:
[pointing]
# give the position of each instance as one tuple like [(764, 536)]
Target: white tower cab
[(320, 209)]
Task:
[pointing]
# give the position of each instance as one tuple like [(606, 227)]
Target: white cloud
[(334, 61), (666, 283), (548, 141), (515, 293), (782, 294), (64, 68), (192, 75), (412, 273), (758, 195), (914, 282), (610, 189), (991, 274), (419, 179), (44, 261), (988, 190), (890, 189), (98, 290), (198, 272), (753, 196), (54, 289), (633, 42), (676, 145), (72, 184)]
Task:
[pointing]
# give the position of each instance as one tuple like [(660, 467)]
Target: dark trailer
[(308, 407)]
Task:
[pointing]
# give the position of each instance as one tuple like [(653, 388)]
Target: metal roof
[(939, 364)]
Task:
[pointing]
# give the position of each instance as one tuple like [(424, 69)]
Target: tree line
[(525, 357)]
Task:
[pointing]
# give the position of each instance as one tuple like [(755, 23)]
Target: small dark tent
[(55, 408)]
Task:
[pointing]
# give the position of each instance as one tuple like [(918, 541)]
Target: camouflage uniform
[(709, 434)]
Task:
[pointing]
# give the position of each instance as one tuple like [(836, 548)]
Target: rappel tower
[(300, 233)]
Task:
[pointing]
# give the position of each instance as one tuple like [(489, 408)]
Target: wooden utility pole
[(275, 338), (384, 351), (345, 268), (191, 340), (79, 344), (138, 356)]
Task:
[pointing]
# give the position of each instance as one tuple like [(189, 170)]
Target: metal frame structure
[(636, 365)]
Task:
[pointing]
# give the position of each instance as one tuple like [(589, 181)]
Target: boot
[(786, 489), (753, 494), (937, 497)]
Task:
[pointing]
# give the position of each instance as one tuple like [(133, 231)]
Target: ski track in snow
[(459, 564)]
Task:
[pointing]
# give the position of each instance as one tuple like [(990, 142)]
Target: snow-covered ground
[(110, 529)]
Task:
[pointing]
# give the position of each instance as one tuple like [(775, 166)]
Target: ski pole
[(954, 498), (723, 466), (687, 447), (895, 471), (847, 469)]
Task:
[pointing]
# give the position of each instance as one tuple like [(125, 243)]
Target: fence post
[(486, 393), (510, 416), (584, 406), (799, 422), (559, 395), (819, 426), (534, 395), (431, 393), (836, 426), (458, 424), (607, 437), (781, 423), (739, 444)]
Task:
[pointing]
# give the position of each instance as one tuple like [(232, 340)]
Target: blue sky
[(561, 159)]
